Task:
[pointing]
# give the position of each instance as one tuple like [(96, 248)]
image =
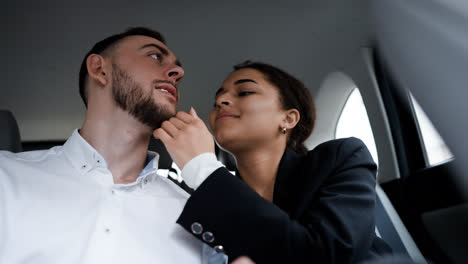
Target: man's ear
[(291, 118), (97, 70)]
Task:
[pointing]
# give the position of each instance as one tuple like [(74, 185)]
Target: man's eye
[(155, 56), (244, 93)]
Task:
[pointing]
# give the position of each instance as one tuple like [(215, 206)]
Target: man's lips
[(167, 88), (225, 115)]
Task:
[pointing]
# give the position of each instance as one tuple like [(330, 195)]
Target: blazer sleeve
[(336, 226)]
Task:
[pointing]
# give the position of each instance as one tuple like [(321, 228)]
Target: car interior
[(331, 45)]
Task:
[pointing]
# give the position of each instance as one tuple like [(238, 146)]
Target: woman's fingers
[(170, 128), (243, 260), (162, 135), (177, 123), (193, 113), (185, 137), (185, 117)]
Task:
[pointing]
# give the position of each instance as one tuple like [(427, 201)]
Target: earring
[(283, 130)]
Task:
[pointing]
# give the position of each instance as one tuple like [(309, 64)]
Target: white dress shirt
[(62, 206)]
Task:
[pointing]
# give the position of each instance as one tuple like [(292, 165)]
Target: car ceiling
[(44, 43)]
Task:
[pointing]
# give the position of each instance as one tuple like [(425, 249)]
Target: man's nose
[(175, 73)]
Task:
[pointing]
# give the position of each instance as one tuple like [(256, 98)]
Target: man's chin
[(168, 106), (163, 116), (153, 115)]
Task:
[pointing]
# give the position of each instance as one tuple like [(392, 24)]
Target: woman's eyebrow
[(220, 91), (244, 80)]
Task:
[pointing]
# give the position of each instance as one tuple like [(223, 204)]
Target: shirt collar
[(85, 158), (152, 161)]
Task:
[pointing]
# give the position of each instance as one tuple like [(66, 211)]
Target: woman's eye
[(244, 93), (155, 56)]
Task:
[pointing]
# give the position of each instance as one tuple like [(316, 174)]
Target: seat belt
[(181, 184)]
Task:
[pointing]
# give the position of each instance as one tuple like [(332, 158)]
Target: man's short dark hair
[(105, 45)]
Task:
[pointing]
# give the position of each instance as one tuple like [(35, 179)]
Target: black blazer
[(323, 209)]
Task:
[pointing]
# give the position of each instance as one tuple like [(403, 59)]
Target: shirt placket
[(107, 230)]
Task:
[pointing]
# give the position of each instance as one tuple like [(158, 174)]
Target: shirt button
[(83, 167), (107, 230), (145, 181), (197, 228), (113, 191), (208, 237), (219, 249)]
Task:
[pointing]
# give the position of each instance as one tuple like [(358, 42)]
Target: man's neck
[(121, 140)]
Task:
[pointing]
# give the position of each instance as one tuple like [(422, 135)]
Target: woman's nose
[(222, 100)]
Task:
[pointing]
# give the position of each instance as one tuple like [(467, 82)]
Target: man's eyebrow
[(163, 50), (244, 80)]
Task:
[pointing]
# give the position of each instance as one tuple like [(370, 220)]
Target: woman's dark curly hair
[(293, 95)]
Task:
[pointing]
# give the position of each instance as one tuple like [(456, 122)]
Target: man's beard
[(130, 96)]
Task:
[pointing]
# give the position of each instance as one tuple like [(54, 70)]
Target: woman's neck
[(258, 168)]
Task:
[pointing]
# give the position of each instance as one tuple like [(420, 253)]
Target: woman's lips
[(224, 116)]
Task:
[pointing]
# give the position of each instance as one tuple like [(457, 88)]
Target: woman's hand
[(185, 137), (243, 260)]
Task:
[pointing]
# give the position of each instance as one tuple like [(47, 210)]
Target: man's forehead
[(138, 44), (137, 41)]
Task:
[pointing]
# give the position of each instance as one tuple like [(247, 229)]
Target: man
[(98, 198)]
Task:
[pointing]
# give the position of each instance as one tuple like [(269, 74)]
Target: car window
[(435, 149), (354, 122)]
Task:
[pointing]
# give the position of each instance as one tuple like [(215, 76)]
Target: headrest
[(9, 132)]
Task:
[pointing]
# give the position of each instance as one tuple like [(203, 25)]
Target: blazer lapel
[(288, 179)]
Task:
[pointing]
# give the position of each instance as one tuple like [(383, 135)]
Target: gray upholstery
[(9, 132)]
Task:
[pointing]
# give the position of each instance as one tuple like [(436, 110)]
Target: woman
[(287, 204)]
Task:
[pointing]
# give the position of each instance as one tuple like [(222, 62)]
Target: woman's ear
[(291, 118), (96, 69)]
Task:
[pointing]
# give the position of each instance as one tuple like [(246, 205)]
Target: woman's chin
[(226, 144), (223, 144), (223, 137), (231, 140)]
